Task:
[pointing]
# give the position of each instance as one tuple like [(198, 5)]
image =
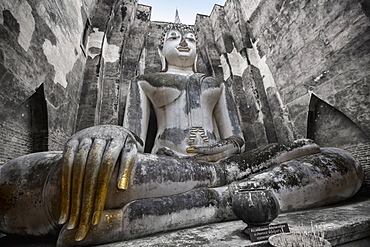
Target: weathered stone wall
[(319, 47), (108, 30), (40, 49), (116, 44), (133, 55)]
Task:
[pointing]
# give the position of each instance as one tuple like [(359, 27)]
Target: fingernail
[(62, 219), (72, 223), (190, 150), (96, 218), (123, 183), (81, 233)]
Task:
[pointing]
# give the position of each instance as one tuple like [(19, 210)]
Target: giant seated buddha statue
[(103, 187)]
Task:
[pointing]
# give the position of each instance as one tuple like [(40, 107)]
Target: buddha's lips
[(183, 49)]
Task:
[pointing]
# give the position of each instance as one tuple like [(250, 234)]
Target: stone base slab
[(344, 224), (341, 223)]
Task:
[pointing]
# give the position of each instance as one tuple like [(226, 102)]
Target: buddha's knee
[(328, 177), (29, 194)]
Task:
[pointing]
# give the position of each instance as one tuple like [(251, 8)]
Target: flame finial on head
[(177, 17)]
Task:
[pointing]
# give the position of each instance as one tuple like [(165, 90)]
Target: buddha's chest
[(187, 95)]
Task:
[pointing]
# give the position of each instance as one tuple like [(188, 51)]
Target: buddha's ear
[(195, 70), (163, 59)]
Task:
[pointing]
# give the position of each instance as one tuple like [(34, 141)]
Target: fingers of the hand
[(127, 160), (212, 157), (210, 149), (77, 180), (109, 161), (90, 181), (67, 162)]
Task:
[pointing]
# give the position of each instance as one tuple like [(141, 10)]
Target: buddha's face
[(179, 48)]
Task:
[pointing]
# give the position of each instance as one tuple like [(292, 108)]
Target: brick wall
[(15, 140), (362, 152)]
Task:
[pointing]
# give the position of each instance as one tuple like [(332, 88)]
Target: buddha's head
[(178, 47)]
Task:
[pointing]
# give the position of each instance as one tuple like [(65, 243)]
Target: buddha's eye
[(173, 36), (190, 37)]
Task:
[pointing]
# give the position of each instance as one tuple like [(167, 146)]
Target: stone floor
[(346, 225)]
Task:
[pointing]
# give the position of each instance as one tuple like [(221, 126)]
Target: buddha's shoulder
[(177, 80), (209, 80), (161, 79)]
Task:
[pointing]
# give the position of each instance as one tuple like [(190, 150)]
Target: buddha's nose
[(183, 42)]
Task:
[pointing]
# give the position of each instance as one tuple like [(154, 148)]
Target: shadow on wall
[(39, 120), (328, 126)]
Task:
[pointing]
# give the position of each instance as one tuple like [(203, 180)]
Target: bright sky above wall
[(164, 10)]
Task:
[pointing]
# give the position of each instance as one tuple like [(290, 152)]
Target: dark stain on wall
[(10, 22), (142, 15)]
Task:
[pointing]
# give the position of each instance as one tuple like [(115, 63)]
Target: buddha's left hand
[(214, 152)]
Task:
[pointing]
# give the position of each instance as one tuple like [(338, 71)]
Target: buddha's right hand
[(88, 162), (219, 150)]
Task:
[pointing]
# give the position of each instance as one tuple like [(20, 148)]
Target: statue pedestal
[(342, 223)]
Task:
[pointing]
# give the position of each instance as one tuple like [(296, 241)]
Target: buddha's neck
[(180, 70)]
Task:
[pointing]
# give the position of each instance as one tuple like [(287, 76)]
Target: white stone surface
[(62, 54)]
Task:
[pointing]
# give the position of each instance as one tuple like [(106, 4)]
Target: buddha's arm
[(232, 141), (137, 112)]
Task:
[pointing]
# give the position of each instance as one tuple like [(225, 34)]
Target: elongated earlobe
[(195, 70), (163, 60)]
